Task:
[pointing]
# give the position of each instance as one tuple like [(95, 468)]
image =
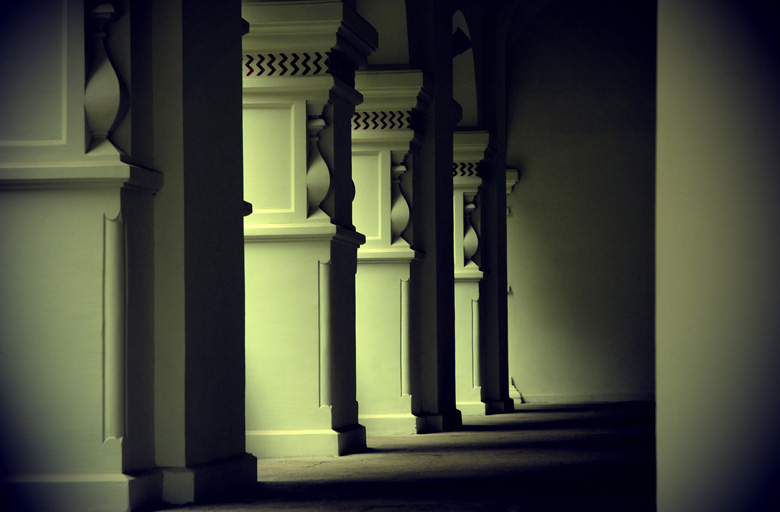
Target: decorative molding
[(470, 146), (465, 169), (103, 92), (405, 335), (80, 174), (308, 231), (476, 377), (278, 64), (317, 171), (114, 326), (381, 120), (470, 232), (400, 213), (326, 335), (304, 26), (386, 255), (512, 177), (56, 63)]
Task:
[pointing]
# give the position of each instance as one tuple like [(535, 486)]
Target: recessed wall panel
[(268, 160), (32, 77), (366, 207)]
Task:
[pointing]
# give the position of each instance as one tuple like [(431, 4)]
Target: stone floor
[(597, 457)]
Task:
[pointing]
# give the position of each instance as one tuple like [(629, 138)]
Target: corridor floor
[(596, 457)]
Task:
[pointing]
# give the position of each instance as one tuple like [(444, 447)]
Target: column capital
[(383, 120), (512, 177), (468, 151), (304, 39)]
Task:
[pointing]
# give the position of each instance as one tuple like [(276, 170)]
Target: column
[(468, 151), (381, 134), (198, 268), (76, 350), (300, 244), (497, 183), (433, 119)]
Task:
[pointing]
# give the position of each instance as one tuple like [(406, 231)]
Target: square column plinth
[(300, 387)]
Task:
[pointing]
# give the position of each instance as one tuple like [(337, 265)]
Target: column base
[(446, 422), (302, 443), (210, 480), (389, 424), (471, 408), (500, 406), (80, 492)]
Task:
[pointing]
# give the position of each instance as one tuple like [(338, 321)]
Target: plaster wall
[(580, 86), (467, 386), (54, 267), (382, 361), (282, 336), (388, 17), (718, 251)]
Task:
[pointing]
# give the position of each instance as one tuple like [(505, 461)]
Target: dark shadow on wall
[(580, 235)]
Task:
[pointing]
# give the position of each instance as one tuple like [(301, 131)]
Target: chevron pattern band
[(285, 64), (381, 120), (464, 169)]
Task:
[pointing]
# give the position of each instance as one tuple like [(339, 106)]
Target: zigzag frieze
[(381, 120), (285, 64), (464, 169)]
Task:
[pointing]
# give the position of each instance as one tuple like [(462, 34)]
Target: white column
[(73, 219), (381, 134), (468, 150), (300, 245)]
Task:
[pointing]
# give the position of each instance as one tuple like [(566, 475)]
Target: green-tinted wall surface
[(580, 239)]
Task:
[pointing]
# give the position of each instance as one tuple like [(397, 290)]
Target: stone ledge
[(80, 175)]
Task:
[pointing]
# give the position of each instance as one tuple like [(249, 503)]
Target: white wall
[(580, 233), (718, 250)]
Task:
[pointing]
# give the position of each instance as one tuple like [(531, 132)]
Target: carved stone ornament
[(102, 96), (308, 63), (317, 172)]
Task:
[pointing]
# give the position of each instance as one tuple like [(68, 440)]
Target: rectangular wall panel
[(33, 77), (366, 207), (269, 163)]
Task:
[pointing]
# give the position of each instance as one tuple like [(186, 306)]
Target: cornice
[(303, 232), (468, 150), (315, 25), (512, 177), (468, 275), (59, 175), (389, 89), (386, 255), (469, 146)]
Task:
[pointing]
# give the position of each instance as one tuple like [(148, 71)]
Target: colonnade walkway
[(595, 457)]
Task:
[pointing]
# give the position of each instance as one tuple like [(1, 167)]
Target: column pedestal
[(293, 404)]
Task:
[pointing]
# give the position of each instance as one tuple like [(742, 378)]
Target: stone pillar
[(381, 134), (497, 182), (434, 118), (76, 344), (300, 244), (199, 299), (512, 176), (468, 152)]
